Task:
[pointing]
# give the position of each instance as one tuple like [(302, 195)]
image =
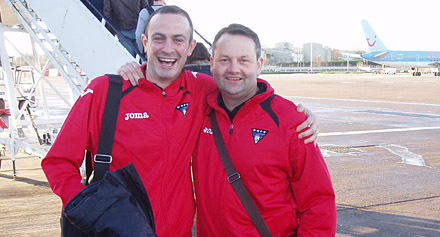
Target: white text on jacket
[(136, 115)]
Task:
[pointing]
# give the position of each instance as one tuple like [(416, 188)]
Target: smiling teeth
[(234, 78), (167, 60)]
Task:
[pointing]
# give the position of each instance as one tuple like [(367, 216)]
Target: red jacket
[(155, 131), (288, 180)]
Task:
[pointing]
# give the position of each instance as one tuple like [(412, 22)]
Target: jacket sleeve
[(313, 190), (140, 27), (62, 162)]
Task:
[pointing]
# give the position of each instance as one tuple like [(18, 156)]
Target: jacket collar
[(171, 90), (249, 105)]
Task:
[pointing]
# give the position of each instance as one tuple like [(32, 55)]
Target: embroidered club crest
[(182, 108), (258, 134)]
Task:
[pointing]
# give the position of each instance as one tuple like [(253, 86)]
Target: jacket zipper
[(166, 156), (231, 129)]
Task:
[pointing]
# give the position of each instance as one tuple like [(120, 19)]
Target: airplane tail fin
[(373, 41)]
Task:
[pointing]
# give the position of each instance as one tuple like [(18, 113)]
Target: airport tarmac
[(379, 134)]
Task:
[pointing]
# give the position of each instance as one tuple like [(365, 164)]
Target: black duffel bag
[(116, 205)]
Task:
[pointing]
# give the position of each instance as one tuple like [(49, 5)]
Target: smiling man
[(287, 179), (167, 47), (157, 127)]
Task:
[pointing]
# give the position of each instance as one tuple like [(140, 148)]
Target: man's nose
[(168, 46), (234, 66)]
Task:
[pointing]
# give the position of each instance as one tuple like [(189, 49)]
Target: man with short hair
[(287, 179), (161, 141)]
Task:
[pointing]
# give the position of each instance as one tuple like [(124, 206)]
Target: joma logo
[(136, 115)]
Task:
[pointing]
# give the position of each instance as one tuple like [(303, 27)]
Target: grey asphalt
[(379, 134)]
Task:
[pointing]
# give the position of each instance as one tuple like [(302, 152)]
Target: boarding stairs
[(76, 44)]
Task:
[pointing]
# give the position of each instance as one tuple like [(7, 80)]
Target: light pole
[(311, 57)]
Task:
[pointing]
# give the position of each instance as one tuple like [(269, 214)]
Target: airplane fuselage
[(413, 59)]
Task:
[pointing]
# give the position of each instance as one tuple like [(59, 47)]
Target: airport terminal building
[(285, 52), (316, 50)]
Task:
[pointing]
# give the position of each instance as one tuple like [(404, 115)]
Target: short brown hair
[(238, 29), (171, 10)]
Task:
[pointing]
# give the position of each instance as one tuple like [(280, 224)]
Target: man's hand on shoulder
[(311, 125), (131, 72)]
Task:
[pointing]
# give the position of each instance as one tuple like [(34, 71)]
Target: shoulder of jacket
[(144, 13), (286, 110), (193, 74), (280, 101), (98, 85), (200, 79)]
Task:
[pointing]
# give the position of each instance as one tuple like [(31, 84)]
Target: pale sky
[(401, 25)]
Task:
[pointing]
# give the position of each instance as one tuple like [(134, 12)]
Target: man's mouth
[(167, 61), (233, 78)]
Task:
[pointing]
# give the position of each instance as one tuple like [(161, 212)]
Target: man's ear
[(144, 42), (212, 63), (259, 65), (192, 45)]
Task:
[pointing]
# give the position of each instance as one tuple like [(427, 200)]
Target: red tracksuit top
[(156, 130), (287, 179)]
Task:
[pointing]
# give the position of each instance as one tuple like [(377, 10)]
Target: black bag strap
[(89, 168), (235, 179), (103, 157)]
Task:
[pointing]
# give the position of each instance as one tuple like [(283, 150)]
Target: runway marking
[(365, 101), (400, 113), (407, 156), (328, 150), (345, 207), (327, 134)]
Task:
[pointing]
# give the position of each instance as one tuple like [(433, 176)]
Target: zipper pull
[(231, 128), (164, 94)]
